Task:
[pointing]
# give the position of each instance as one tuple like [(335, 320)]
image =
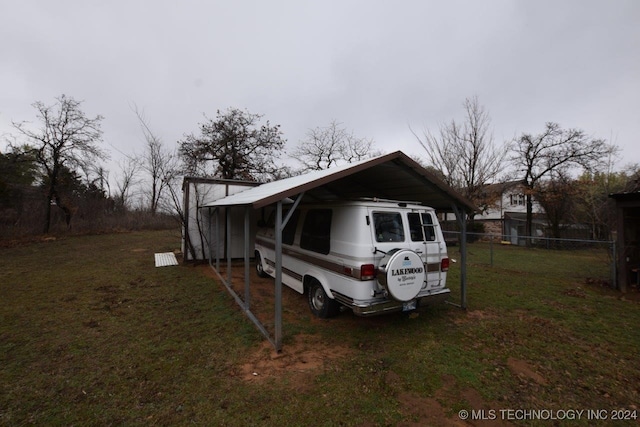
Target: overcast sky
[(378, 67)]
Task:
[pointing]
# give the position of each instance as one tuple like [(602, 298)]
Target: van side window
[(316, 231), (388, 226), (289, 231), (417, 228)]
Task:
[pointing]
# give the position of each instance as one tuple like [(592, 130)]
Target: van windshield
[(388, 226)]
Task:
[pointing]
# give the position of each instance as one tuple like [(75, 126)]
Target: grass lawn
[(91, 333)]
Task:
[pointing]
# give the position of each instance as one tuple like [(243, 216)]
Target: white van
[(371, 256)]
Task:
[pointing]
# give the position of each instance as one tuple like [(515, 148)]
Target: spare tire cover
[(401, 272)]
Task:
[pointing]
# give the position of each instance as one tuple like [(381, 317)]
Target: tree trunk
[(529, 221), (67, 216), (47, 216), (47, 219)]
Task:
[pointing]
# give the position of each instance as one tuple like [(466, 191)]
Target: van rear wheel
[(319, 302)]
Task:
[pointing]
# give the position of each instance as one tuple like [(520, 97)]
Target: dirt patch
[(302, 358), (474, 398), (298, 361), (480, 315), (603, 287), (524, 371), (428, 411), (577, 292), (262, 294), (474, 316)]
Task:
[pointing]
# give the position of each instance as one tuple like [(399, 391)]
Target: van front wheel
[(259, 267), (320, 303)]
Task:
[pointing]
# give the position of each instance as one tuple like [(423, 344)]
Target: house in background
[(506, 212)]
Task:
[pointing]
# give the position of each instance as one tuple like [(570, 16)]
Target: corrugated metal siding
[(165, 259), (199, 192)]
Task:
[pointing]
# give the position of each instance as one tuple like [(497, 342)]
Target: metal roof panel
[(390, 176)]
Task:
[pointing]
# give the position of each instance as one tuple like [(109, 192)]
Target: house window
[(517, 199)]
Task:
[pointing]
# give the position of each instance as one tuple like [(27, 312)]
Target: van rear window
[(388, 226), (316, 231), (421, 231)]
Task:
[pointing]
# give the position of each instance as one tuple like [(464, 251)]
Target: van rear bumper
[(375, 307)]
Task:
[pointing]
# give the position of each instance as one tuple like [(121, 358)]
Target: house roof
[(631, 196), (522, 216), (204, 180), (501, 187), (392, 176)]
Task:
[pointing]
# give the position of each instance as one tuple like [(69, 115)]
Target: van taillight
[(367, 272), (444, 264)]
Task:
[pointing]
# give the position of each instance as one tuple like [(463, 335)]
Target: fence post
[(461, 216), (614, 265), (491, 248)]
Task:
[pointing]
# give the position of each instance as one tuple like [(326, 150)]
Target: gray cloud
[(377, 67)]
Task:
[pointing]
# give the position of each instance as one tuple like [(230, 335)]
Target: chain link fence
[(591, 261)]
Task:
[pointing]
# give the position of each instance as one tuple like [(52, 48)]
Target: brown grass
[(92, 334)]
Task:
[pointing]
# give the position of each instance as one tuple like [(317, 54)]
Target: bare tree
[(234, 146), (328, 146), (281, 172), (156, 162), (465, 153), (557, 195), (537, 156), (129, 170), (67, 139)]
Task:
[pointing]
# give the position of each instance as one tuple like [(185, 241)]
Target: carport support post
[(278, 284), (213, 212), (210, 236), (247, 293), (462, 221), (228, 237), (217, 239)]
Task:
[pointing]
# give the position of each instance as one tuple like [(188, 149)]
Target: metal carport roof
[(392, 176)]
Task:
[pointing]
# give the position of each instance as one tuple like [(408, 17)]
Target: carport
[(392, 176)]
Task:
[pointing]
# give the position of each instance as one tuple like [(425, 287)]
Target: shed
[(197, 192), (392, 176), (628, 238)]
